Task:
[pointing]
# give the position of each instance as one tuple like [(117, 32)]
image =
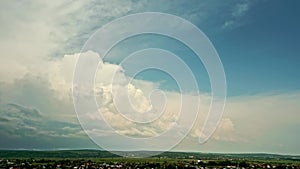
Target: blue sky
[(257, 42), (259, 50), (264, 51)]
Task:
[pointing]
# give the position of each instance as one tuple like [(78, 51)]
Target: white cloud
[(248, 120), (32, 33), (226, 131), (123, 111), (238, 12), (240, 9)]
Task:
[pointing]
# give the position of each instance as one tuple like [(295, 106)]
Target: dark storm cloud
[(26, 127)]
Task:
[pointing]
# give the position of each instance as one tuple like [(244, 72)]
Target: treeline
[(56, 154)]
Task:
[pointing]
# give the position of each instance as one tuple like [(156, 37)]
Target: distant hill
[(106, 154)]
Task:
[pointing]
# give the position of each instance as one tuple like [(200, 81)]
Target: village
[(121, 163)]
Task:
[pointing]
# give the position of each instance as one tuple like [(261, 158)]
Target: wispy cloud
[(238, 11), (36, 32)]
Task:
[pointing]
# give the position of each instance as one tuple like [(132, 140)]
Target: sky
[(257, 43)]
